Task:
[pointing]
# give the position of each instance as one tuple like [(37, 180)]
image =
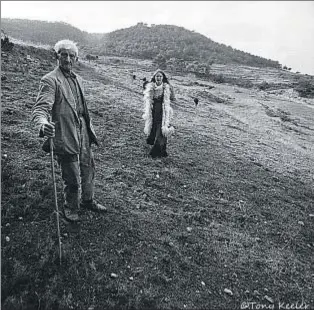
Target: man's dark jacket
[(55, 96)]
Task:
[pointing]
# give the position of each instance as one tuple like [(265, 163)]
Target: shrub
[(160, 61), (305, 88), (243, 83), (116, 60), (263, 86), (219, 78)]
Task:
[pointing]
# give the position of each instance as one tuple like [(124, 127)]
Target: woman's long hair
[(164, 77)]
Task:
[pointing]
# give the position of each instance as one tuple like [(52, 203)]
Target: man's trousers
[(78, 172)]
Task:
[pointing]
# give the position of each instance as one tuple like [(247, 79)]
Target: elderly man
[(61, 95)]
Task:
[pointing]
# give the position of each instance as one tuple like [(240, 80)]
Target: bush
[(243, 83), (116, 61), (263, 86), (160, 61), (219, 79), (305, 88)]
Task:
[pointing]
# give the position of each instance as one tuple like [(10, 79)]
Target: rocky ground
[(227, 218)]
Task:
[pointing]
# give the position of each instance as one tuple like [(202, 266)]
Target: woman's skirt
[(156, 138)]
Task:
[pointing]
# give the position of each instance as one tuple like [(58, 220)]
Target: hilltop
[(226, 218)]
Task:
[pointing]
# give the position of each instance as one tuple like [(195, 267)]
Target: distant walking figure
[(145, 82), (196, 101), (158, 113)]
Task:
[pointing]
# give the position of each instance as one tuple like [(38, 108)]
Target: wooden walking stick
[(55, 194)]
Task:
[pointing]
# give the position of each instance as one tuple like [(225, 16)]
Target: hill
[(46, 33), (176, 42), (226, 218), (175, 45)]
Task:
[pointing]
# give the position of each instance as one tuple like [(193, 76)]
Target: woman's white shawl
[(167, 111)]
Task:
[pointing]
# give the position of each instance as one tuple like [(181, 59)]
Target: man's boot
[(93, 206), (70, 215)]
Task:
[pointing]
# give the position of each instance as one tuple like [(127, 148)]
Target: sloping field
[(255, 75), (227, 218)]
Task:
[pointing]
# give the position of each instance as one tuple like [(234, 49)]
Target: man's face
[(66, 59), (158, 78)]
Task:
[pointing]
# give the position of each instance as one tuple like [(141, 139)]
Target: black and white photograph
[(157, 155)]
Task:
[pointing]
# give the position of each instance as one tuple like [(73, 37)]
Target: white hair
[(66, 44)]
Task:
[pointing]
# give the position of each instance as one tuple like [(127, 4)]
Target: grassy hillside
[(227, 218), (173, 43), (47, 33)]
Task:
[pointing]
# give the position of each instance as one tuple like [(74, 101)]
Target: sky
[(277, 30)]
